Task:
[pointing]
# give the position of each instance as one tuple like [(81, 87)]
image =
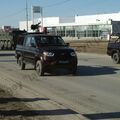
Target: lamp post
[(98, 20)]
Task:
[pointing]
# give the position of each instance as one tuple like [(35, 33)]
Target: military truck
[(5, 40), (8, 40)]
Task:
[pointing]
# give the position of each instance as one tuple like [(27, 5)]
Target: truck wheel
[(21, 63), (116, 58), (39, 68)]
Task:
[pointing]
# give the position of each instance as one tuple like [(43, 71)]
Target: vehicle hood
[(57, 49)]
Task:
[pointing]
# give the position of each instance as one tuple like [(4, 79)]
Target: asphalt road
[(93, 93)]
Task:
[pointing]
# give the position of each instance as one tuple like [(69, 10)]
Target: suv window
[(49, 40), (33, 41), (27, 41)]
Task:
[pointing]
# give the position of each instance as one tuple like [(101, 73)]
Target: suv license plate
[(63, 62)]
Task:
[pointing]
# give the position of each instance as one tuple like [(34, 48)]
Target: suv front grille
[(63, 56)]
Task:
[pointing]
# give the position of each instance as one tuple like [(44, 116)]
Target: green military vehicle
[(5, 40), (8, 40)]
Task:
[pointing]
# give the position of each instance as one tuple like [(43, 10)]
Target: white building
[(88, 26)]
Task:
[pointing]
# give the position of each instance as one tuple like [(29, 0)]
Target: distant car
[(113, 50), (46, 52)]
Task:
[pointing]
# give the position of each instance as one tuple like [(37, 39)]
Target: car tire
[(39, 68), (21, 63), (116, 58)]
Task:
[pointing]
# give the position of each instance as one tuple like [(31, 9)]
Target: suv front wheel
[(21, 63), (116, 58), (39, 68)]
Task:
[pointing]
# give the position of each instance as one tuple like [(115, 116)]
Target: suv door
[(33, 49), (27, 52)]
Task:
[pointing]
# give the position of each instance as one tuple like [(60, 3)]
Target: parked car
[(113, 50), (45, 52)]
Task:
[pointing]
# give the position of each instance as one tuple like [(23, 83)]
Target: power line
[(13, 14), (57, 3), (23, 10)]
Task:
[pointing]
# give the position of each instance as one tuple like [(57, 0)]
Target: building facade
[(98, 26)]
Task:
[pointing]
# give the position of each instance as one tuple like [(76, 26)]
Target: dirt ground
[(99, 47), (12, 108)]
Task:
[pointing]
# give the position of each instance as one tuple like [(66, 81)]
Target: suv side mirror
[(68, 44)]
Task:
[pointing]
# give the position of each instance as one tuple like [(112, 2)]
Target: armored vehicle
[(8, 40)]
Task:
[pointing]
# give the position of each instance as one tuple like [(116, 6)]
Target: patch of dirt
[(12, 108), (99, 47)]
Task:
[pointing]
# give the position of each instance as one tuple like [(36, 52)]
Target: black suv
[(45, 52), (113, 50)]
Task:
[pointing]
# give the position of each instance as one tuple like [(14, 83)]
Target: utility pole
[(27, 15), (41, 18)]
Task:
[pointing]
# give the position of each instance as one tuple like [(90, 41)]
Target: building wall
[(23, 25), (79, 20), (51, 21), (97, 19), (99, 25)]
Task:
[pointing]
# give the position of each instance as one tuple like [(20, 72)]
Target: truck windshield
[(50, 40)]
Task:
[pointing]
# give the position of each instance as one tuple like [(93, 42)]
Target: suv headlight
[(49, 54), (73, 54)]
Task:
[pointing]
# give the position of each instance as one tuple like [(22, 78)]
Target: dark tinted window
[(49, 40), (33, 42), (27, 41)]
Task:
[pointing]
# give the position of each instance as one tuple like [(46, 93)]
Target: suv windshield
[(50, 40)]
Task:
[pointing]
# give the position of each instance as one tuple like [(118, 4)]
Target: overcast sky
[(13, 11)]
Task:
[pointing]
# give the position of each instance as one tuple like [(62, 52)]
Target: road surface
[(94, 93)]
